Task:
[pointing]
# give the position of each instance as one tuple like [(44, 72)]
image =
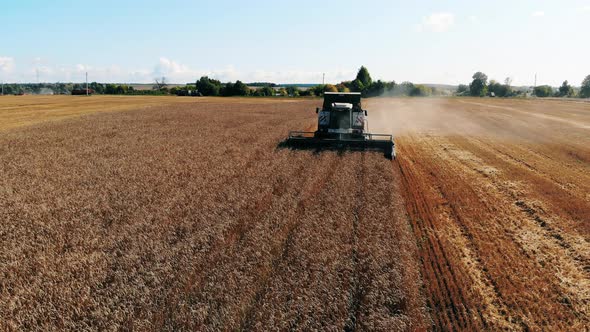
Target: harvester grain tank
[(342, 124)]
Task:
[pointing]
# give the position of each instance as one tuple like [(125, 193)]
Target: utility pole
[(535, 80), (86, 84), (3, 88), (323, 78)]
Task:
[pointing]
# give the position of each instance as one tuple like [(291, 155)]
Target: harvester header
[(342, 124)]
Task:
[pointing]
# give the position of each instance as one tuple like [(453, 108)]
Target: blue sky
[(295, 41)]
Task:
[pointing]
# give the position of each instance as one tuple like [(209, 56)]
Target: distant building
[(80, 92)]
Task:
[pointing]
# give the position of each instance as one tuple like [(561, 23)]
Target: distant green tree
[(241, 89), (181, 90), (317, 90), (208, 87), (585, 89), (390, 87), (61, 88), (347, 85), (306, 93), (14, 88), (478, 87), (110, 89), (265, 91), (261, 84), (357, 86), (462, 89), (330, 88), (292, 91), (404, 89), (543, 91), (120, 90), (364, 77), (342, 87), (178, 90), (493, 88), (375, 89), (227, 90), (283, 92), (565, 90), (420, 90), (98, 88), (498, 90), (9, 89)]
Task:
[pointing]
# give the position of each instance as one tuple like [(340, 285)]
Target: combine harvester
[(342, 125)]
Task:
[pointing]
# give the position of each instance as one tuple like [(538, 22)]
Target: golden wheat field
[(170, 213)]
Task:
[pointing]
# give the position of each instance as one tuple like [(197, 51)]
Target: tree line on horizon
[(363, 83), (480, 87), (67, 88), (206, 86)]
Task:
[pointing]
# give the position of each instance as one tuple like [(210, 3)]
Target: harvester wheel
[(390, 157), (389, 154)]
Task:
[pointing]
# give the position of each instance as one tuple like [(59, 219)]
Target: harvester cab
[(342, 124)]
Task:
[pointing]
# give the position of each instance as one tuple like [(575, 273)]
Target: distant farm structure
[(81, 92)]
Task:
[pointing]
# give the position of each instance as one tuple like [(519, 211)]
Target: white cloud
[(437, 22), (297, 76), (6, 64), (180, 73), (538, 13), (585, 8), (174, 71), (80, 68), (473, 19), (45, 70), (166, 67)]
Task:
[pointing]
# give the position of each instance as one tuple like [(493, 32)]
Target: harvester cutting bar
[(364, 141)]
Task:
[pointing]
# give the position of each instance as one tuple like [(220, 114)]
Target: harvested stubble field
[(183, 214)]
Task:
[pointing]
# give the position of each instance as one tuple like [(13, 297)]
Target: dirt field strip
[(520, 272), (499, 206)]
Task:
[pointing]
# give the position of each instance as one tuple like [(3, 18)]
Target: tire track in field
[(463, 242), (572, 123), (447, 295), (511, 158), (475, 171), (285, 236), (465, 182), (356, 289), (389, 258), (314, 269), (564, 248), (562, 228), (440, 299)]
